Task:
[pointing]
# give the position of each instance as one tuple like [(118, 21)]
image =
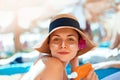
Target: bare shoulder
[(44, 65), (47, 60)]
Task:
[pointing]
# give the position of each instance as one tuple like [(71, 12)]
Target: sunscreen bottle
[(81, 72)]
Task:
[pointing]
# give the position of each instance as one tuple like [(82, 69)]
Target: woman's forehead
[(64, 31)]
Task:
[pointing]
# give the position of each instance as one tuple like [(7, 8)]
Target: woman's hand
[(91, 76), (74, 63)]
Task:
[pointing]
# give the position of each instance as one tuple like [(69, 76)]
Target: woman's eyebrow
[(55, 35), (71, 35)]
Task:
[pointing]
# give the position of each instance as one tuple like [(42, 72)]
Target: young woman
[(64, 43)]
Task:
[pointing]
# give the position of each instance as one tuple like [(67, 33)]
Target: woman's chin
[(65, 60)]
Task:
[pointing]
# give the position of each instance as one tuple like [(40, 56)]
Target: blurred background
[(24, 23)]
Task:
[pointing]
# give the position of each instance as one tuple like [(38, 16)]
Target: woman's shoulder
[(35, 69), (41, 58), (47, 59)]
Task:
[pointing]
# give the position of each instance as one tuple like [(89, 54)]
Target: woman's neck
[(65, 64)]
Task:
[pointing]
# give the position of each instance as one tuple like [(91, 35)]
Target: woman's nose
[(63, 44)]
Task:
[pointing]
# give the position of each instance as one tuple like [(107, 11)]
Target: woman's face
[(64, 44)]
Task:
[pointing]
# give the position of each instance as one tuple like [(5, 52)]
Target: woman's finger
[(91, 76)]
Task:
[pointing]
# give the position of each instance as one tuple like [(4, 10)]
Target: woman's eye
[(70, 39), (56, 39)]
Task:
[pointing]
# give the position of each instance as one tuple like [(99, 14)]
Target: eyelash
[(59, 40), (56, 39), (70, 39)]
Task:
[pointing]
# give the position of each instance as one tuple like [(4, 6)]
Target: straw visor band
[(64, 22)]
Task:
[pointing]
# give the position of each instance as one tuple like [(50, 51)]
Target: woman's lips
[(63, 53)]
